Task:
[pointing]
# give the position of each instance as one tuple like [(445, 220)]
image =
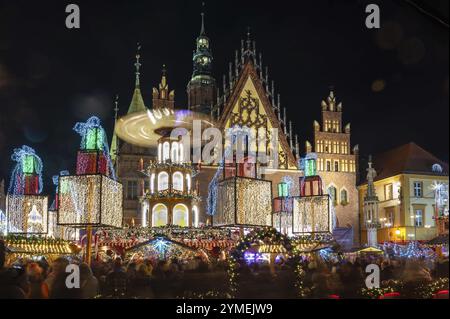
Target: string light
[(93, 137), (94, 200)]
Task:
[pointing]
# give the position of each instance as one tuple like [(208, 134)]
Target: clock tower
[(201, 89)]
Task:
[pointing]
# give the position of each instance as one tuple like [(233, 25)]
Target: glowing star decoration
[(89, 200), (93, 139), (161, 246), (312, 215), (440, 198)]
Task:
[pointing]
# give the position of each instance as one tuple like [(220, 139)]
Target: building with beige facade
[(405, 187)]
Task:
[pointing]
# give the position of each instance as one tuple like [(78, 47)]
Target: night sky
[(393, 82)]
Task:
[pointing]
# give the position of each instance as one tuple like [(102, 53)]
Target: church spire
[(202, 29), (138, 65), (137, 102), (201, 88)]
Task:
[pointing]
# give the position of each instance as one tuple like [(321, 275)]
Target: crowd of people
[(172, 278)]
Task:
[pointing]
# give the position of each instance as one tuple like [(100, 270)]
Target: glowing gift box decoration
[(245, 168), (89, 200), (91, 162), (94, 139), (312, 214), (244, 202), (27, 214), (28, 164), (311, 183)]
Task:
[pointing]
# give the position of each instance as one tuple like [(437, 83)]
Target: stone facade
[(336, 164)]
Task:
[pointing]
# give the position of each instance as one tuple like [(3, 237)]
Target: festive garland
[(303, 292), (375, 293), (211, 294), (427, 291), (266, 235)]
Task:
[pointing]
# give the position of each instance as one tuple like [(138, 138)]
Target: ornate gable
[(249, 105)]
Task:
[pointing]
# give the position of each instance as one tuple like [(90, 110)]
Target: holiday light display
[(282, 210), (311, 211), (312, 215), (244, 201), (93, 156), (89, 200), (26, 209)]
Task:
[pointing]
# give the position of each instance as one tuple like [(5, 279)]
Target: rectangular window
[(418, 189), (336, 166), (328, 166), (388, 190), (132, 189), (418, 218), (390, 217)]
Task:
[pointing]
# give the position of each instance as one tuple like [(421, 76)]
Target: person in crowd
[(88, 283), (116, 280), (57, 271), (36, 278)]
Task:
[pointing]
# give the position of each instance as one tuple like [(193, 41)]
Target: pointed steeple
[(113, 150), (138, 65), (162, 97), (137, 102), (201, 88), (202, 29)]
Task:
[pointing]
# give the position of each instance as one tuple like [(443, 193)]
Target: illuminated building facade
[(405, 187), (336, 163)]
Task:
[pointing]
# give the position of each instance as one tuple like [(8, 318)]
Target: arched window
[(336, 166), (175, 152), (195, 216), (181, 156), (152, 183), (144, 214), (188, 182), (159, 152), (159, 215), (166, 151), (163, 181), (333, 194), (181, 215), (177, 181), (328, 166), (344, 196)]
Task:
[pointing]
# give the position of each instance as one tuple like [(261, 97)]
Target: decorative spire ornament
[(138, 65), (236, 64), (273, 94), (290, 135), (260, 66), (116, 107)]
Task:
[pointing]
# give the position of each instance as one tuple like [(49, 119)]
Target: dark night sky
[(52, 77)]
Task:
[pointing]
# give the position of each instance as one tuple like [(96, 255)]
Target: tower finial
[(116, 107), (138, 64), (202, 29), (249, 41)]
